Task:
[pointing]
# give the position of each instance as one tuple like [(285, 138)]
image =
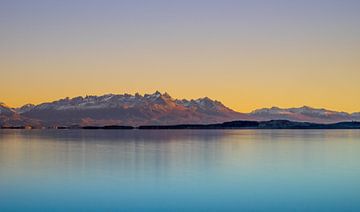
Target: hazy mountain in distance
[(356, 116), (303, 114)]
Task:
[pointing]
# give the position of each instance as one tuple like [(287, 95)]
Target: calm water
[(234, 170)]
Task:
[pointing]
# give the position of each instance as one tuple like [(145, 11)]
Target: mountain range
[(152, 109)]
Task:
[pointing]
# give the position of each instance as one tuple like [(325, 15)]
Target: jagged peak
[(137, 95), (24, 108), (5, 109), (167, 95), (153, 95), (28, 105), (158, 95), (2, 104)]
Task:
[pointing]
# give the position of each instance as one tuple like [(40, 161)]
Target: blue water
[(195, 170)]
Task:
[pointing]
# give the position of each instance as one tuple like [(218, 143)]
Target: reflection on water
[(180, 170)]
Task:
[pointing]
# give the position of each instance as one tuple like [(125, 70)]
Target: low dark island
[(273, 124)]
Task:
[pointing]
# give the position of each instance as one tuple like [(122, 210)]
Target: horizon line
[(143, 94)]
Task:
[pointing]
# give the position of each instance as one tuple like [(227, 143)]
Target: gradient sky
[(247, 54)]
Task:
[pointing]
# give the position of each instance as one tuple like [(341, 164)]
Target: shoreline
[(253, 125)]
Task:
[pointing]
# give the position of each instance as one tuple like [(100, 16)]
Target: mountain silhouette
[(152, 109)]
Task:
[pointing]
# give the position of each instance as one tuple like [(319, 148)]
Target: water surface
[(180, 170)]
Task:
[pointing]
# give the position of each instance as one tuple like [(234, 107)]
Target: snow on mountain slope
[(5, 110), (24, 108), (304, 113), (126, 109), (10, 117), (355, 116), (155, 109)]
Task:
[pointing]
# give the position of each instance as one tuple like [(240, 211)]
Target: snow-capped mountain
[(9, 117), (356, 116), (24, 108), (304, 114), (152, 109), (126, 109), (5, 110)]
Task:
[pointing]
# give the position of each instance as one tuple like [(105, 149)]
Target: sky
[(246, 54)]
